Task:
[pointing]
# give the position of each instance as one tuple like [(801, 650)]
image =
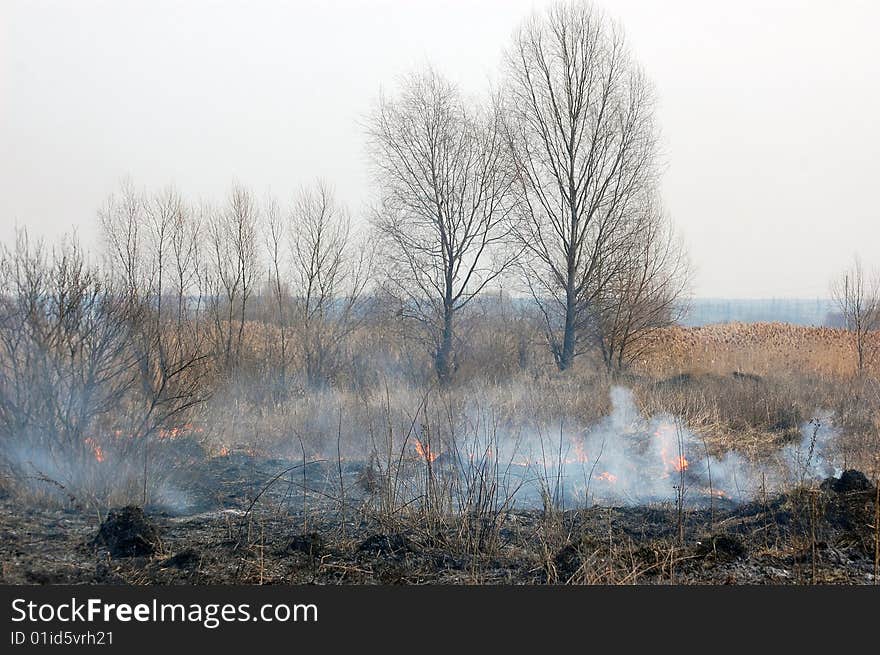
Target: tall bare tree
[(151, 243), (446, 202), (579, 118), (187, 283), (857, 295), (318, 272)]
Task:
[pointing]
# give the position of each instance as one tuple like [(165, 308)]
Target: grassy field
[(514, 475)]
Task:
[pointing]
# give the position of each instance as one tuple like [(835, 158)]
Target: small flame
[(605, 476), (425, 451), (96, 449), (666, 433), (224, 451)]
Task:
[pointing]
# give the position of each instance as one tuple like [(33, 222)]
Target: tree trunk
[(860, 347), (569, 337), (443, 358)]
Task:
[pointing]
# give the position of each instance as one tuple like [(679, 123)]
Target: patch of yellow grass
[(758, 348)]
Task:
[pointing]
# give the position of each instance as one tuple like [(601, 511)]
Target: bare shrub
[(857, 294), (85, 382), (645, 293), (329, 270)]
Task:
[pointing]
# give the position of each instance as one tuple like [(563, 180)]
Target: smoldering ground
[(527, 459)]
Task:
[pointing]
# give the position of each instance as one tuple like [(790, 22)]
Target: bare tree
[(186, 262), (857, 295), (65, 355), (579, 120), (152, 240), (446, 203), (276, 231), (330, 270), (646, 292), (122, 226), (232, 240)]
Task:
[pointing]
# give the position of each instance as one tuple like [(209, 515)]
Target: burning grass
[(707, 468)]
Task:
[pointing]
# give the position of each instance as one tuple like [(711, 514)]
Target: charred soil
[(240, 531)]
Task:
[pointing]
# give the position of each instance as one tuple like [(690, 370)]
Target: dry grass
[(750, 386), (747, 388), (767, 349), (744, 387)]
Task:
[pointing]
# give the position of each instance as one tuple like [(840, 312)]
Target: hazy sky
[(770, 111)]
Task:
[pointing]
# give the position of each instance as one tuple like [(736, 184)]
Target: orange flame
[(224, 451), (666, 434), (607, 477), (96, 448), (677, 463), (425, 451)]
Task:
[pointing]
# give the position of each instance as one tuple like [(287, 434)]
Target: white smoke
[(812, 459), (630, 459)]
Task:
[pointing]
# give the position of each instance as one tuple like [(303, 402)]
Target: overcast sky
[(769, 109)]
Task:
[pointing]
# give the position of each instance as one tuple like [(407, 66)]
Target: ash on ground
[(299, 531)]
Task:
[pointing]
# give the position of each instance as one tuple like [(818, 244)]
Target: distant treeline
[(798, 311)]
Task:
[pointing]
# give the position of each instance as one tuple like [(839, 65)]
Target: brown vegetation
[(768, 349)]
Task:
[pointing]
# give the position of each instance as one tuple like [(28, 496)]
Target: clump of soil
[(185, 559), (568, 561), (312, 544), (849, 481), (721, 547), (848, 506), (386, 544), (126, 532)]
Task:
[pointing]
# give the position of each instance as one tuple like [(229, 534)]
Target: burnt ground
[(235, 528)]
